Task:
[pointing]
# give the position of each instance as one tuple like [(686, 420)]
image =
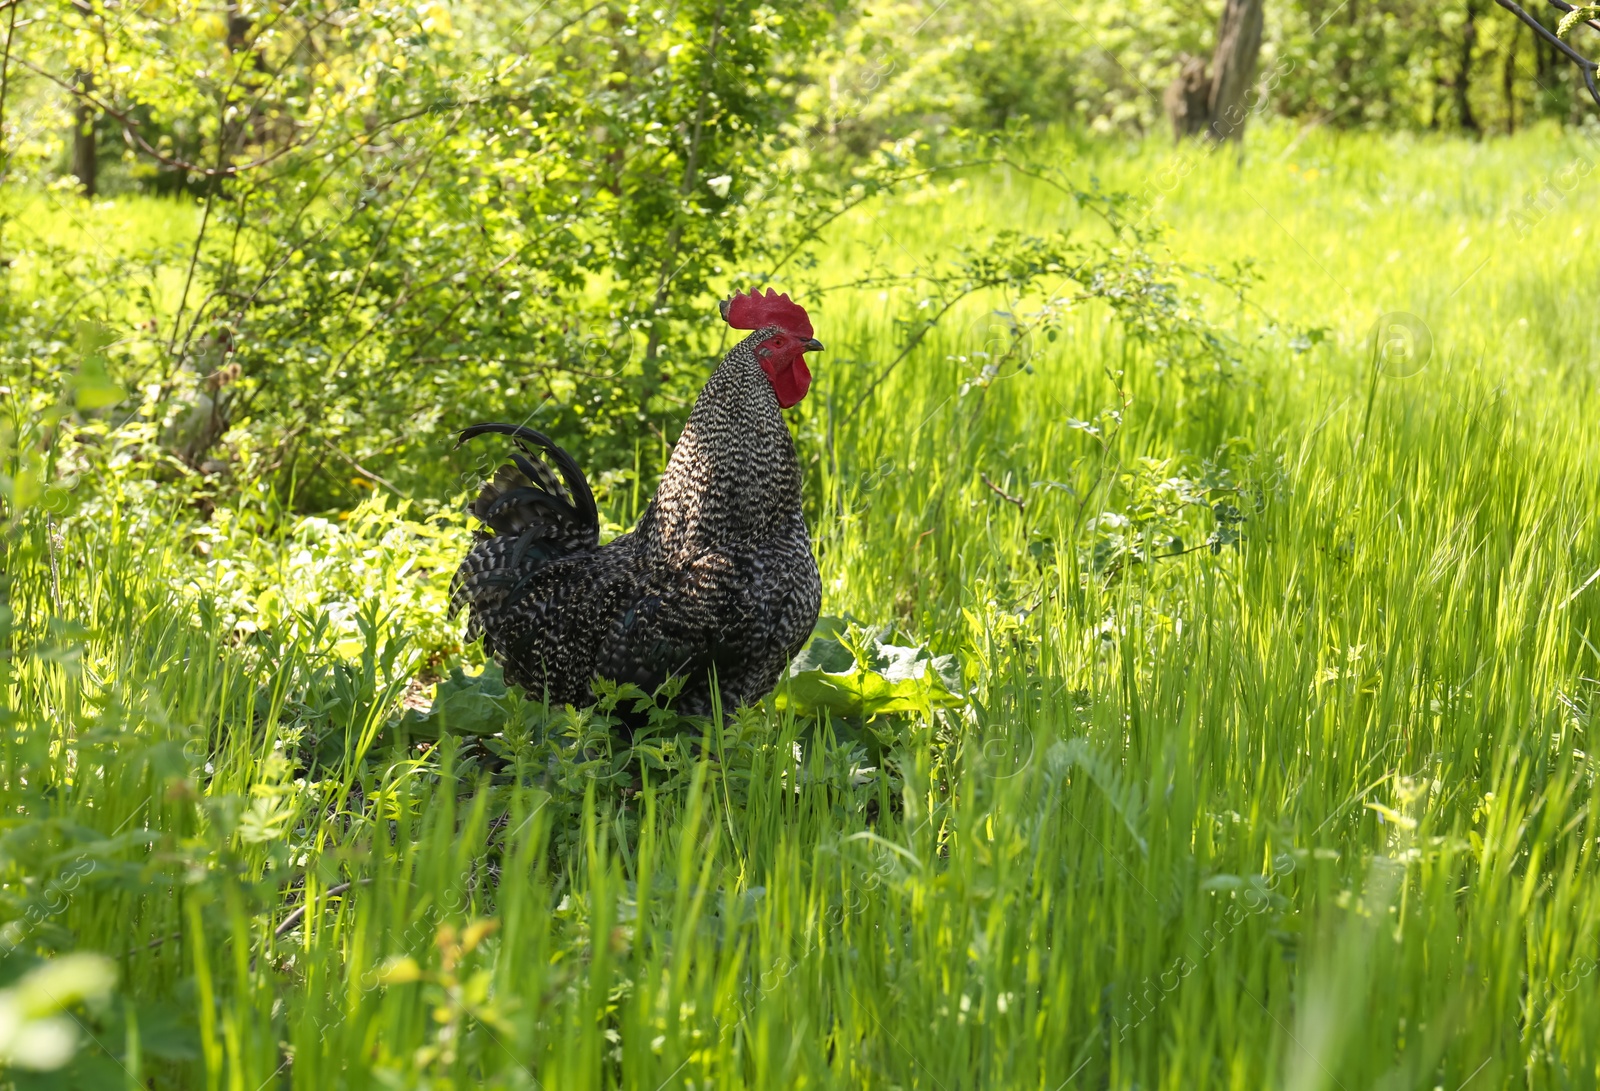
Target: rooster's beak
[(812, 345)]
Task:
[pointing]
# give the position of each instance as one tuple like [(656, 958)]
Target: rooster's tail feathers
[(527, 492), (532, 515)]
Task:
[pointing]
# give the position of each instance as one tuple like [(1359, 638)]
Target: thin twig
[(691, 175), (910, 346), (5, 81), (194, 260), (1180, 552), (388, 229), (808, 234), (1585, 65), (153, 944), (558, 31), (55, 568), (1022, 505), (300, 910), (130, 132), (364, 472), (222, 156)]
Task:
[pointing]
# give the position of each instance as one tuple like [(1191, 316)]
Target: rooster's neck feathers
[(733, 474)]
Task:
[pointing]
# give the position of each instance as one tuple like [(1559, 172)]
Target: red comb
[(756, 311)]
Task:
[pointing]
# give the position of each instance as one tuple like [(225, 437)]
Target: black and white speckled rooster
[(718, 575)]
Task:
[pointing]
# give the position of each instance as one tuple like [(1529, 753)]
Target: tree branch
[(1021, 504)]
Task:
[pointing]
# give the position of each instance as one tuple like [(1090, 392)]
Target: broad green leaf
[(33, 1032), (858, 674), (472, 704)]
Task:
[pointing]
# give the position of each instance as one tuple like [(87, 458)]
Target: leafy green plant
[(858, 673), (1322, 799), (37, 1031)]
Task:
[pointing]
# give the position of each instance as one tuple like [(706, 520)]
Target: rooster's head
[(787, 339)]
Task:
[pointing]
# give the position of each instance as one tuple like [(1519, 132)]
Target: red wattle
[(790, 379)]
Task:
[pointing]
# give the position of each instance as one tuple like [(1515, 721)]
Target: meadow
[(1267, 764)]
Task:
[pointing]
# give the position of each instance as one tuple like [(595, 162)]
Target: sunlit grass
[(46, 231), (1311, 811)]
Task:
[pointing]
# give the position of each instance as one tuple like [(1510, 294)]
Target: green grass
[(53, 231), (1314, 811)]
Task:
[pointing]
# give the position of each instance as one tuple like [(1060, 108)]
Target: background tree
[(85, 152), (489, 208), (1233, 68)]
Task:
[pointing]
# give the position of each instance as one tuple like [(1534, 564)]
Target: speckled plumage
[(718, 573)]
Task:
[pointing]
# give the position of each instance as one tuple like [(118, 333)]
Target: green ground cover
[(1269, 766)]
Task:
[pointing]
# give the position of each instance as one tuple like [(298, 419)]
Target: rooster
[(718, 576)]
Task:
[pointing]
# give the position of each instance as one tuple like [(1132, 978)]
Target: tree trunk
[(85, 164), (1469, 38), (1508, 77), (1233, 68), (1188, 99), (238, 26)]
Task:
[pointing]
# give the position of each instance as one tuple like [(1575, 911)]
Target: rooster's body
[(718, 575)]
